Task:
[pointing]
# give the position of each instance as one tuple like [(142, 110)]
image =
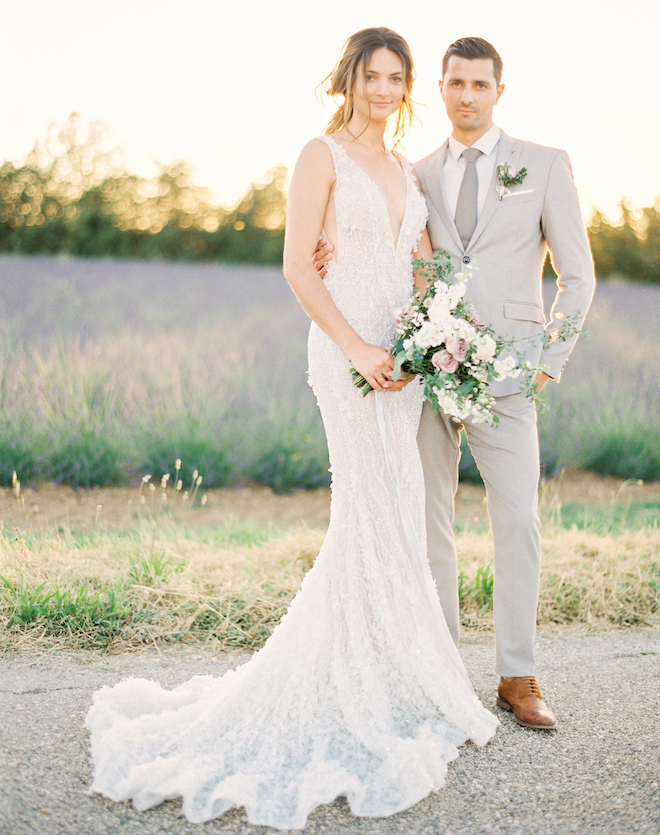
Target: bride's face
[(379, 92)]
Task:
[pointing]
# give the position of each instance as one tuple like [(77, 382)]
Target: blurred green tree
[(71, 194), (630, 247)]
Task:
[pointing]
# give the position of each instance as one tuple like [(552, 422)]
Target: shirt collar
[(486, 143)]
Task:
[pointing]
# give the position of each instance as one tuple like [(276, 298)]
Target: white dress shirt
[(454, 168)]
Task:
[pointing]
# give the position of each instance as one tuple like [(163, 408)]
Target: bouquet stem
[(359, 381)]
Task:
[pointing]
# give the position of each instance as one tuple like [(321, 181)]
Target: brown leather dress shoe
[(522, 696)]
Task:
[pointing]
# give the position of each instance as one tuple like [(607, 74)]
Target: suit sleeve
[(563, 229)]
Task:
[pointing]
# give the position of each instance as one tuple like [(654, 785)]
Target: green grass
[(612, 519), (477, 589), (154, 569), (96, 617)]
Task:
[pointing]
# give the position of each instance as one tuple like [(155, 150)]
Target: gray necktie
[(466, 207)]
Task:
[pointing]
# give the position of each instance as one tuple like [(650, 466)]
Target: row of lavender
[(110, 370)]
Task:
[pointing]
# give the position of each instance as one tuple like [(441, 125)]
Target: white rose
[(486, 348)]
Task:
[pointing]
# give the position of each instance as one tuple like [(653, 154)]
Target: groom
[(503, 223)]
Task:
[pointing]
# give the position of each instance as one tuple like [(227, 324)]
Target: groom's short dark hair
[(472, 48)]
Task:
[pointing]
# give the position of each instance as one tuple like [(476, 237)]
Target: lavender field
[(111, 370)]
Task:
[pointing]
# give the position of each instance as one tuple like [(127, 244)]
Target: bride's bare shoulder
[(316, 150), (315, 160)]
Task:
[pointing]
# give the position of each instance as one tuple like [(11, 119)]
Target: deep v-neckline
[(395, 240)]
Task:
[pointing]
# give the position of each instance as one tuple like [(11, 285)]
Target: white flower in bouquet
[(439, 309), (448, 404), (482, 375), (486, 348), (506, 368), (463, 329), (430, 335), (456, 292)]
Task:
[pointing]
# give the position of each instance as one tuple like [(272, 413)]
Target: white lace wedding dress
[(360, 690)]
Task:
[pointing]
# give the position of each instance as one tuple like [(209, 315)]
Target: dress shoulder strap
[(339, 156), (409, 171), (405, 162)]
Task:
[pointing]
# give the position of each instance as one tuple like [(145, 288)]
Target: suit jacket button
[(466, 259)]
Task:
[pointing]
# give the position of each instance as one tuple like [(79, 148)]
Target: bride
[(360, 691)]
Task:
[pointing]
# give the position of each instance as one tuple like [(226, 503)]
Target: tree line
[(70, 195)]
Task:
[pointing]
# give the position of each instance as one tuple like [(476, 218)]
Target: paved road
[(600, 773)]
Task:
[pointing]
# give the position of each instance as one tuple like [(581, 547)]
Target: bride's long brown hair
[(352, 64)]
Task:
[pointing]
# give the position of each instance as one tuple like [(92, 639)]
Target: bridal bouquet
[(440, 337)]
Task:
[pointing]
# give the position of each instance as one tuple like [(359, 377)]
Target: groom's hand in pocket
[(540, 380), (322, 256)]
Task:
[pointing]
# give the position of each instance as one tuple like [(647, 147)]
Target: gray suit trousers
[(508, 458)]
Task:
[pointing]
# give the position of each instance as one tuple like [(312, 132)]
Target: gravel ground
[(600, 773)]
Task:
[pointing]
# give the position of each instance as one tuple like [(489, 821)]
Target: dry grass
[(229, 585), (166, 583), (586, 578)]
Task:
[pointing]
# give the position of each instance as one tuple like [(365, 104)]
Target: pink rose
[(457, 347), (444, 361)]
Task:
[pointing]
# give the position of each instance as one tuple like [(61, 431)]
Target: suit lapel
[(508, 150), (437, 194)]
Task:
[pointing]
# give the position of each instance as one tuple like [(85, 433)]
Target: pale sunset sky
[(229, 86)]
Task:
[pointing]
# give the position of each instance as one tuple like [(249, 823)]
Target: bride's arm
[(311, 187)]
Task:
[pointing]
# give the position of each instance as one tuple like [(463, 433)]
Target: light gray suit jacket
[(508, 248)]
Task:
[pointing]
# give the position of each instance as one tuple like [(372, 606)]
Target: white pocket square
[(506, 193)]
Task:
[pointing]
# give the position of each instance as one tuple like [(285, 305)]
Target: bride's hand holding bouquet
[(375, 367)]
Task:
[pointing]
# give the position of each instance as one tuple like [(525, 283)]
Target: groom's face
[(470, 92)]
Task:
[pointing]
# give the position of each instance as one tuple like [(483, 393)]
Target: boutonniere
[(507, 176)]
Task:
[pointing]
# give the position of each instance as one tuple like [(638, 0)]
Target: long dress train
[(360, 690)]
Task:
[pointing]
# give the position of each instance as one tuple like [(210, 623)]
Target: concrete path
[(600, 773)]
